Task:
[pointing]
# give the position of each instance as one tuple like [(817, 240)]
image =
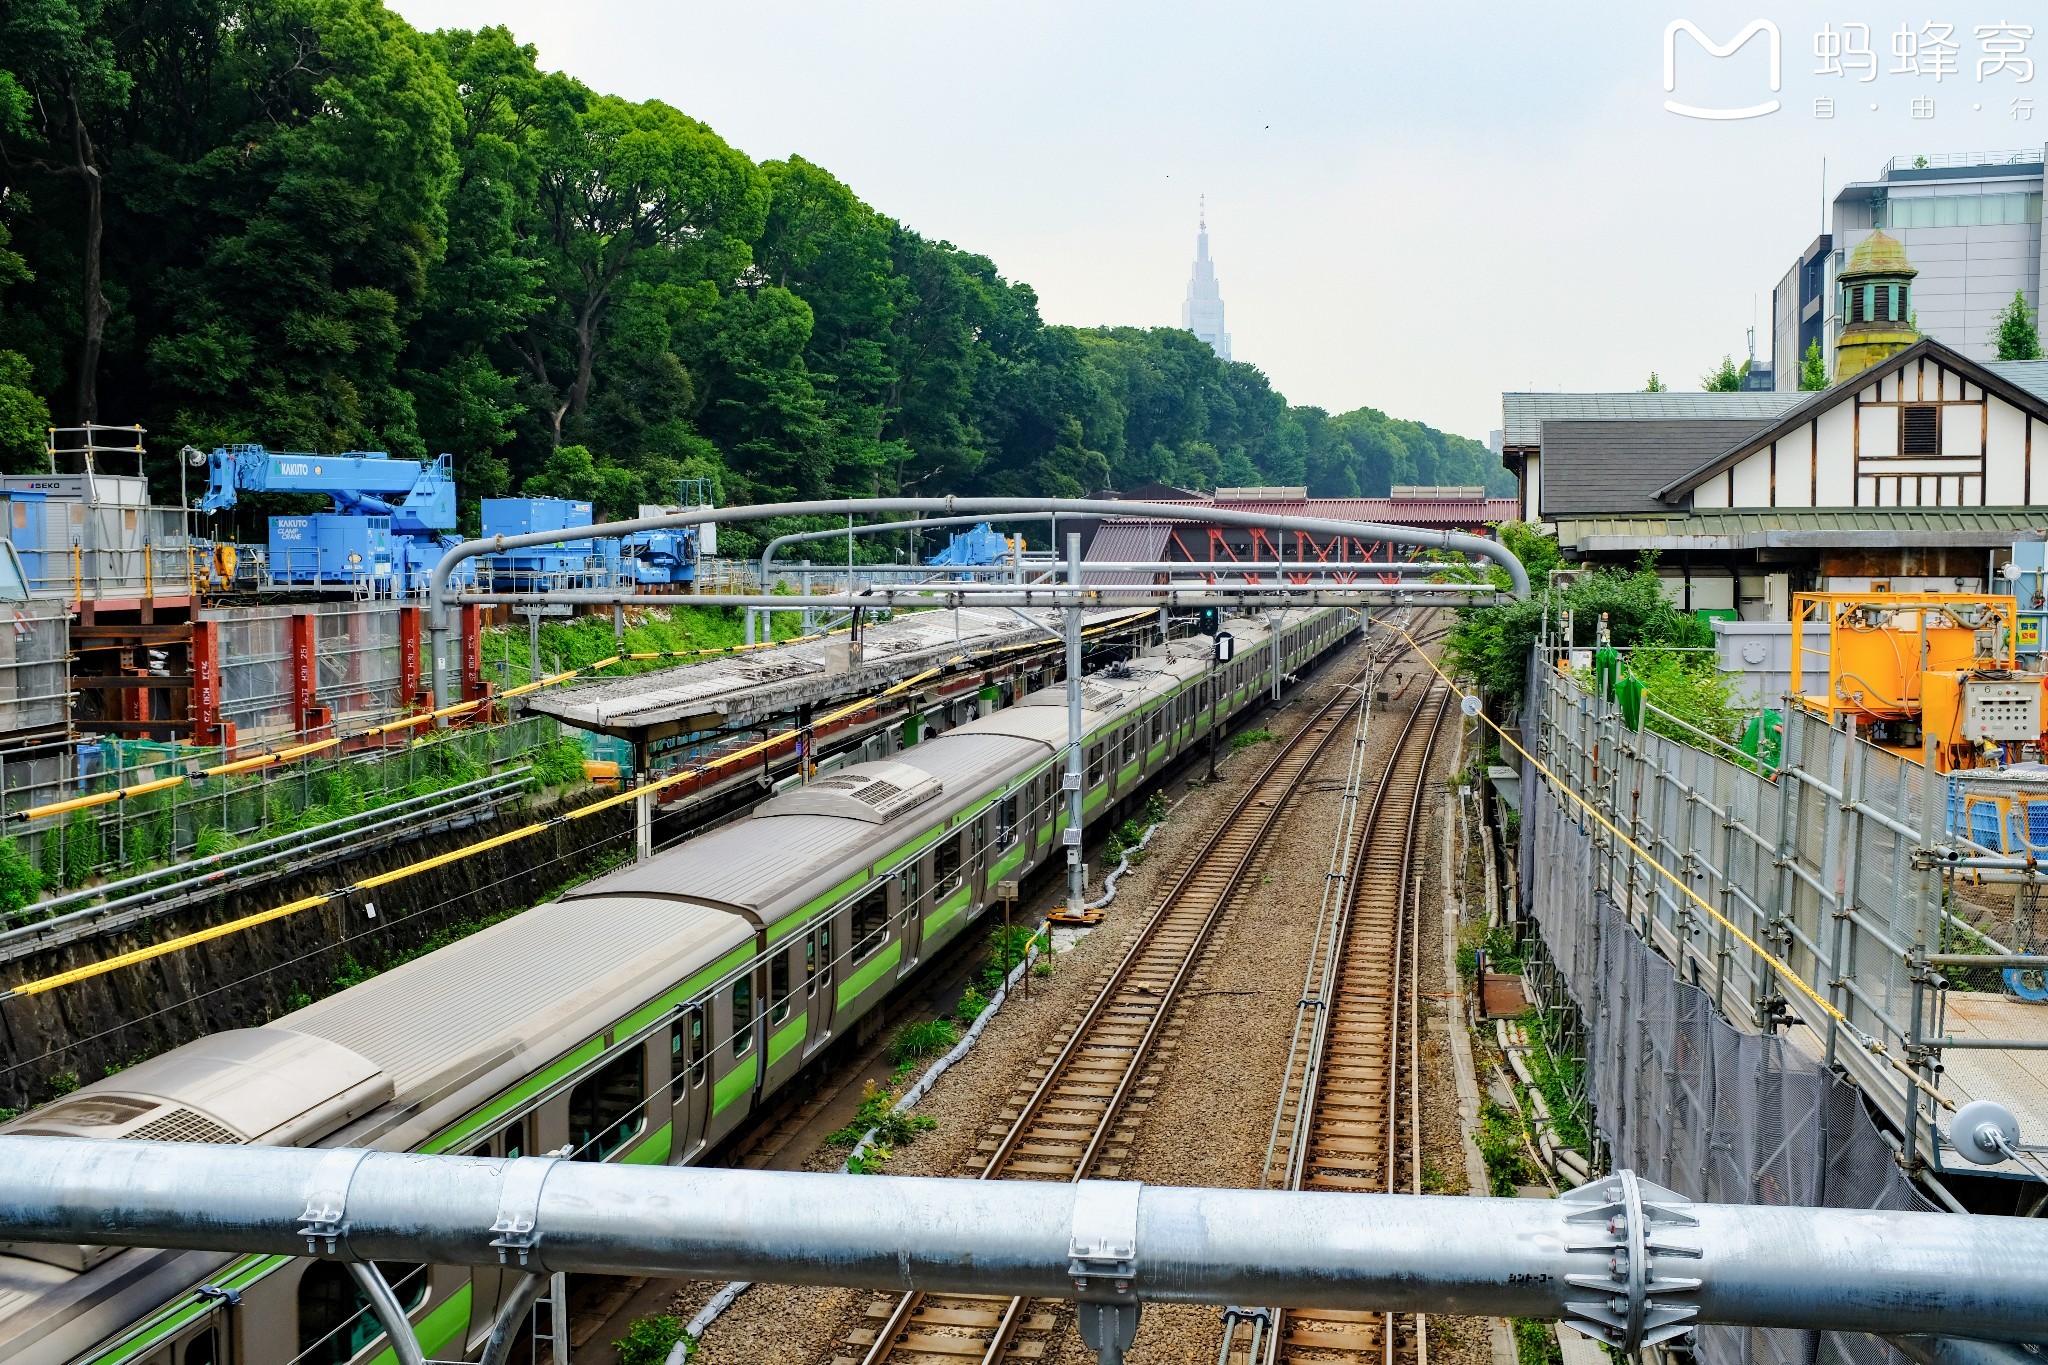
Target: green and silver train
[(639, 1018)]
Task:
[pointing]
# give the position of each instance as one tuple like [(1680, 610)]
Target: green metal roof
[(1804, 528)]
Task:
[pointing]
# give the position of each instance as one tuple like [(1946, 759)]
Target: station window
[(604, 1110), (335, 1321), (870, 921), (945, 863), (742, 1015), (778, 986), (686, 1044)]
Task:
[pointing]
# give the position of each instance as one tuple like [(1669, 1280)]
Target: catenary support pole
[(1624, 1261), (1077, 886)]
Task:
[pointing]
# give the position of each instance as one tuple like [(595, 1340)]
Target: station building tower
[(1876, 305)]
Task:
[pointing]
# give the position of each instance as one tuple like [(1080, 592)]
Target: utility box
[(330, 548), (2002, 710)]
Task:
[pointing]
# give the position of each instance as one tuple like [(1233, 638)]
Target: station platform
[(985, 645)]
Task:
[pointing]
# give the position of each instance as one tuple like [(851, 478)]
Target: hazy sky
[(1411, 206)]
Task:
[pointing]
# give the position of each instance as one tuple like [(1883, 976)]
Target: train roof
[(440, 1020)]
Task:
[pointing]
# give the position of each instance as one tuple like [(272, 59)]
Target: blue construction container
[(521, 568), (666, 556), (330, 548), (976, 547)]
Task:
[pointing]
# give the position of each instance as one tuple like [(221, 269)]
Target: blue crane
[(388, 523)]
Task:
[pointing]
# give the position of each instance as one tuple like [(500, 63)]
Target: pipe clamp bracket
[(325, 1219), (516, 1231), (1632, 1217)]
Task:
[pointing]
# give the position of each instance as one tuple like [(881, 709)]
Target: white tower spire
[(1202, 311)]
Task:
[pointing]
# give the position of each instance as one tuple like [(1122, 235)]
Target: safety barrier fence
[(1810, 897), (165, 816), (1684, 1097)]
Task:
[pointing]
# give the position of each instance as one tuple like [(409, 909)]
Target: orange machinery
[(1931, 675)]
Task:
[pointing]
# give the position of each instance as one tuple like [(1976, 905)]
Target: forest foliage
[(305, 223)]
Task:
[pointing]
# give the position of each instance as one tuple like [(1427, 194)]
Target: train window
[(778, 986), (604, 1111), (825, 948), (911, 875), (810, 964), (1158, 730), (945, 863), (1094, 765), (871, 919), (203, 1349), (687, 1038), (742, 1015), (335, 1322), (978, 833), (1006, 822), (512, 1141), (1130, 743)]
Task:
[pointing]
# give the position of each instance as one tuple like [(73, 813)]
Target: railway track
[(1072, 1124), (1350, 1104)]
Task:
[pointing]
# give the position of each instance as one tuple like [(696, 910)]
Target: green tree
[(1726, 377), (1655, 385), (62, 88), (20, 882), (2015, 335), (1813, 369), (618, 183)]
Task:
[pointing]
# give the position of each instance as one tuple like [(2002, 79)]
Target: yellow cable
[(1870, 1044)]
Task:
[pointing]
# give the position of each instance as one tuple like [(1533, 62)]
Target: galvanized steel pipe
[(1594, 1253), (438, 600)]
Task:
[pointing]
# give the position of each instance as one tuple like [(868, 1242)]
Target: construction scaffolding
[(1829, 930)]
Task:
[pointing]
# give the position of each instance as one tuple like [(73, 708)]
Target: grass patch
[(892, 1130), (1560, 1076), (1244, 739), (649, 1340), (1536, 1343), (1501, 1145), (927, 1038), (1502, 955)]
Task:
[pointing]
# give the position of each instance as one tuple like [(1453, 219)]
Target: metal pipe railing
[(440, 599), (1625, 1261)]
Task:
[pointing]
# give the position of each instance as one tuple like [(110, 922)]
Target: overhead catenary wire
[(1875, 1046)]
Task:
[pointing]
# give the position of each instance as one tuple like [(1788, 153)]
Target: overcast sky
[(1411, 206)]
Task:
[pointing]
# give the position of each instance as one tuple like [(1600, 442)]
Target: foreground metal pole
[(1077, 885), (1620, 1259)]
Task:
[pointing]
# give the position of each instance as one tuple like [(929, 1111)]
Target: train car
[(641, 1017)]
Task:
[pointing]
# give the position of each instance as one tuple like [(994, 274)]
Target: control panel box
[(2002, 710)]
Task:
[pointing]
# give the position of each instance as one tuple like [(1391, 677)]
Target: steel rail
[(1168, 945), (1368, 971)]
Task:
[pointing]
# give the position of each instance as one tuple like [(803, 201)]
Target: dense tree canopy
[(304, 223)]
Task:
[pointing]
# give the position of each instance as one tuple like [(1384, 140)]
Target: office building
[(1202, 312)]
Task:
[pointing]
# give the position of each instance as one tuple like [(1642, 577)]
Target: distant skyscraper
[(1202, 313)]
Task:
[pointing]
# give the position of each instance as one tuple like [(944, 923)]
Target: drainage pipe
[(1618, 1258), (440, 598)]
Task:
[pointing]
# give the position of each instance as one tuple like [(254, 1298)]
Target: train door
[(867, 963), (949, 894), (509, 1139), (735, 1053), (689, 1063), (815, 953), (911, 898), (786, 1012)]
